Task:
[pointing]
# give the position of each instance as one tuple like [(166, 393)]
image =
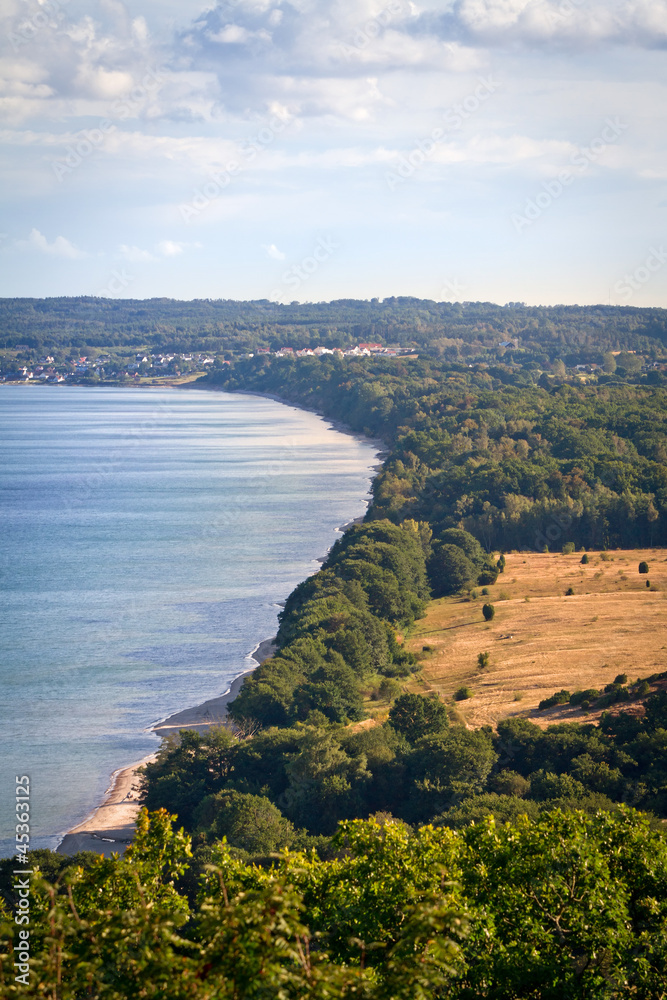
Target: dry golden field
[(540, 640)]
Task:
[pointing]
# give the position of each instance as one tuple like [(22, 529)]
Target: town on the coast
[(49, 369)]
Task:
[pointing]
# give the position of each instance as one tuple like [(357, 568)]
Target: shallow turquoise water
[(147, 538)]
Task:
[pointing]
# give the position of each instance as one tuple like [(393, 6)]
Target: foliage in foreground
[(563, 907)]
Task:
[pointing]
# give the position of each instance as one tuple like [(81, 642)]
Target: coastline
[(110, 827)]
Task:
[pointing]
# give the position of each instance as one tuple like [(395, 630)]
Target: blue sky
[(500, 150)]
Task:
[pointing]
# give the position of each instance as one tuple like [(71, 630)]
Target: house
[(305, 353), (319, 351), (370, 347)]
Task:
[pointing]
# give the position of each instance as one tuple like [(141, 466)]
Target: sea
[(148, 538)]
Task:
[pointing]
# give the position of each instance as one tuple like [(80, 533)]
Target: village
[(105, 367)]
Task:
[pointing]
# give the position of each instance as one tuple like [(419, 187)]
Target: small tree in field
[(488, 611), (643, 567), (483, 660), (584, 558)]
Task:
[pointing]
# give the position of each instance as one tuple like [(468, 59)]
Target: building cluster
[(107, 367), (360, 351)]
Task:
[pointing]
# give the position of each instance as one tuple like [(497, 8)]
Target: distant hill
[(444, 329)]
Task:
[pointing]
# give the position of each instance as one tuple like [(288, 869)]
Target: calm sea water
[(147, 538)]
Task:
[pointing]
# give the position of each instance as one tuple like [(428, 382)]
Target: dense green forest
[(520, 465), (562, 907), (416, 858), (451, 330)]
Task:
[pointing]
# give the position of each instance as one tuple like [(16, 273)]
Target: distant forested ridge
[(469, 329)]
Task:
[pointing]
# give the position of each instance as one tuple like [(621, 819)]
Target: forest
[(296, 854), (452, 330)]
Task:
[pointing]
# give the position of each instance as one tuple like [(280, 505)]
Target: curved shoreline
[(109, 828)]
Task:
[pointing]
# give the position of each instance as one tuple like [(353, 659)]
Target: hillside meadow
[(541, 640)]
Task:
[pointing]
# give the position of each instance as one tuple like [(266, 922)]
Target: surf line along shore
[(109, 829)]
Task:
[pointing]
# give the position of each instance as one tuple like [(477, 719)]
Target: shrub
[(642, 689), (621, 679), (508, 782), (463, 693), (579, 697), (559, 698), (485, 591), (605, 557), (643, 567), (648, 583), (389, 689), (488, 611), (568, 548), (500, 565), (483, 660), (569, 592), (585, 559), (488, 575)]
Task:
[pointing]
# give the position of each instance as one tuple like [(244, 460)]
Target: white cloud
[(170, 248), (60, 247), (532, 22), (135, 254), (273, 251)]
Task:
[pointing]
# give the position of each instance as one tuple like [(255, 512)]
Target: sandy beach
[(110, 828)]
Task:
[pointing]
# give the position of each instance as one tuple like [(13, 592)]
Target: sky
[(465, 150)]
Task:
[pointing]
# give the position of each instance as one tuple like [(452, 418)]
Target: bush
[(579, 697), (488, 611), (500, 565), (569, 592), (642, 689), (585, 559), (621, 679), (648, 583), (483, 660), (559, 698), (568, 548), (508, 782), (643, 567), (463, 693), (488, 575)]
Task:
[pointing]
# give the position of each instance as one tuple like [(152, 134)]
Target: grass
[(541, 641)]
